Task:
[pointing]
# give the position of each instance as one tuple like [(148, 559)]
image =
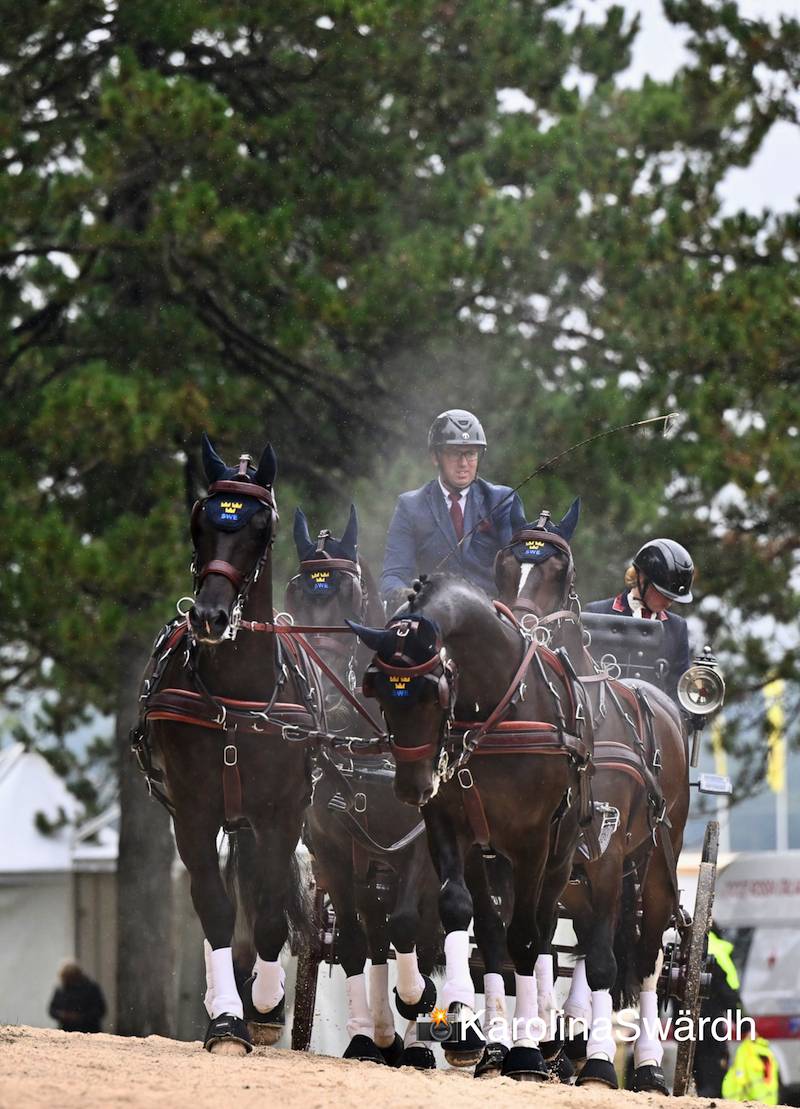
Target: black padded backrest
[(637, 645)]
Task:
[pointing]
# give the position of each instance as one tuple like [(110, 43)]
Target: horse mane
[(428, 588)]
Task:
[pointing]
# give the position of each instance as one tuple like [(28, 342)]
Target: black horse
[(457, 682), (641, 770), (215, 701), (368, 853)]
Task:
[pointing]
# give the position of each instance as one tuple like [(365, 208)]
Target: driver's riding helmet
[(668, 566), (456, 428)]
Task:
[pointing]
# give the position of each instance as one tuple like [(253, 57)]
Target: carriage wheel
[(694, 950), (309, 956)]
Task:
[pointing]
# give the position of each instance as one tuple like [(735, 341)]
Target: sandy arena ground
[(53, 1070)]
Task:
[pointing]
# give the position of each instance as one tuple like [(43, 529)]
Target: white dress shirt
[(462, 497)]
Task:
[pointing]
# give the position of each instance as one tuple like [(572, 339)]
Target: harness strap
[(330, 564), (231, 780), (218, 566), (473, 807), (333, 677)]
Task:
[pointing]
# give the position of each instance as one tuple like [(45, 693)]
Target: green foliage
[(325, 227)]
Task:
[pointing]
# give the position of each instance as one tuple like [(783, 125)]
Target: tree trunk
[(145, 957)]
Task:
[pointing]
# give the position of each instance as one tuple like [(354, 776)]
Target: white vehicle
[(757, 906)]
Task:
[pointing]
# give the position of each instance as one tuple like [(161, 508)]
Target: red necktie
[(456, 515)]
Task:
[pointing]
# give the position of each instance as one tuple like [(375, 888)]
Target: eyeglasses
[(470, 455)]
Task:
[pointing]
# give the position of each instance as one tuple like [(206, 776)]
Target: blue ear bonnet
[(539, 550), (320, 583), (230, 511), (418, 648)]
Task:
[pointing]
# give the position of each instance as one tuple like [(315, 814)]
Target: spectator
[(78, 1004)]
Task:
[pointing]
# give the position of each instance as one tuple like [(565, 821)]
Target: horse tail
[(625, 991), (242, 886)]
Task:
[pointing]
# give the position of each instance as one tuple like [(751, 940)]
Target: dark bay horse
[(641, 769), (368, 848), (215, 701), (457, 682)]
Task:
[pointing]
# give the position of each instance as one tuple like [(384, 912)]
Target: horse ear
[(302, 540), (372, 637), (267, 468), (213, 465), (570, 519), (350, 538)]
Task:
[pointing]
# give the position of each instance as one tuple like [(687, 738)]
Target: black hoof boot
[(575, 1047), (227, 1029), (491, 1063), (419, 1057), (600, 1071), (550, 1049), (266, 1028), (649, 1080), (561, 1068), (365, 1050), (393, 1054), (464, 1048), (526, 1064), (418, 1008)]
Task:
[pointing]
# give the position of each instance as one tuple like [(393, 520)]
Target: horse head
[(232, 528), (414, 682), (328, 585), (534, 573)]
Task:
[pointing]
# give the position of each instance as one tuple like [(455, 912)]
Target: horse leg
[(488, 879), (372, 914), (648, 1048), (465, 1045), (605, 879), (415, 993), (525, 1061), (226, 1032)]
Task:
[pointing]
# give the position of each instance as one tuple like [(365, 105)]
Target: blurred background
[(321, 224)]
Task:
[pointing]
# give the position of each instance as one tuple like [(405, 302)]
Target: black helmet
[(668, 566), (456, 428)]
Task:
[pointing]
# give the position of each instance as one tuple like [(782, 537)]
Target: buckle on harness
[(465, 779), (230, 759), (360, 802)]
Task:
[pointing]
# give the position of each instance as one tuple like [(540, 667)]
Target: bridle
[(241, 582), (569, 604), (401, 670)]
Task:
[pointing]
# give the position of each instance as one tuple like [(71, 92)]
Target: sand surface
[(55, 1070)]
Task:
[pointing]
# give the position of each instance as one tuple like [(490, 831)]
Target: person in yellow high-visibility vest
[(711, 1058), (754, 1074)]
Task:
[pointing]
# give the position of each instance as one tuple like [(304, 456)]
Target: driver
[(661, 574), (429, 523)]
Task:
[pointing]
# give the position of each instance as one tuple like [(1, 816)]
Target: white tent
[(36, 915)]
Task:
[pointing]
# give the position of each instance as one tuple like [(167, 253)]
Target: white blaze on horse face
[(524, 572)]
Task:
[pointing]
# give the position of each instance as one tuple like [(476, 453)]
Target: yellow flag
[(776, 764), (718, 748)]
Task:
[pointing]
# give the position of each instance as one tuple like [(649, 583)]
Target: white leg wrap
[(601, 1043), (226, 996), (382, 1015), (578, 1006), (649, 1048), (409, 980), (496, 1019), (527, 1027), (545, 992), (458, 984), (268, 986), (208, 1000), (359, 1019)]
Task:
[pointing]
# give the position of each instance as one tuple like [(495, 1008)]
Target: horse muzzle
[(209, 623)]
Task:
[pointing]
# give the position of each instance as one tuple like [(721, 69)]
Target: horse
[(641, 769), (457, 681), (380, 894), (212, 744)]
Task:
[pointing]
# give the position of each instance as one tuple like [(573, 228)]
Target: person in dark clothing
[(77, 1004), (661, 574)]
